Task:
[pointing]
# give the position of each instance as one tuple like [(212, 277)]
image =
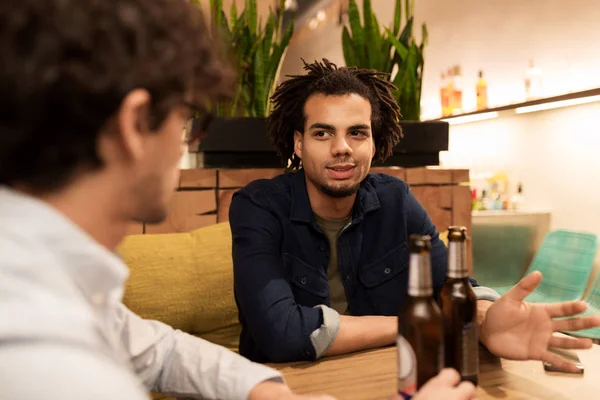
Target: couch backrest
[(184, 280)]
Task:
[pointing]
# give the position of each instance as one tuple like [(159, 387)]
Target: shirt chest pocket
[(309, 283), (385, 280)]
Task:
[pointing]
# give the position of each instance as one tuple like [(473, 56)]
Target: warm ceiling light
[(321, 15), (557, 104), (471, 118)]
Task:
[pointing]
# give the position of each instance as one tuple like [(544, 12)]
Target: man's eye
[(358, 133), (320, 133)]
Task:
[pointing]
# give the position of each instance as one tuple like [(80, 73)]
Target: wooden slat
[(444, 194), (430, 198), (425, 176), (393, 171), (185, 212), (236, 178), (224, 203), (460, 176), (198, 178)]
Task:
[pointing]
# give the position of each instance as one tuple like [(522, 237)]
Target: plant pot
[(241, 142)]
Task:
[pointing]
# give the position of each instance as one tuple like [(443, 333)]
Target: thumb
[(524, 287)]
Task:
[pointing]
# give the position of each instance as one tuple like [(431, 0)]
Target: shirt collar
[(301, 211), (97, 271)]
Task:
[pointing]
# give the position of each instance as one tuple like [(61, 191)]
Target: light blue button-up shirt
[(65, 335)]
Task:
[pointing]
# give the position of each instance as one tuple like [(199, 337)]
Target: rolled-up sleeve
[(279, 326), (323, 337), (177, 364)]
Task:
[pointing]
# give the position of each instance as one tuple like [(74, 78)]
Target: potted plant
[(395, 51), (238, 135)]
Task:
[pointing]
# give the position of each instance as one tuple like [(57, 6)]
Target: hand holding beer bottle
[(445, 386)]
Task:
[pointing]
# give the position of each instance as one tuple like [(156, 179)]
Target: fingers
[(559, 362), (465, 391), (524, 287), (570, 343), (565, 309), (575, 324), (447, 377)]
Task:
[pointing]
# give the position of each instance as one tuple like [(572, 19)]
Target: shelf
[(547, 103)]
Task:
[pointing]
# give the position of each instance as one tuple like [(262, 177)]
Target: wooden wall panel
[(399, 173), (428, 176), (224, 203), (198, 178), (236, 178), (186, 212), (135, 228)]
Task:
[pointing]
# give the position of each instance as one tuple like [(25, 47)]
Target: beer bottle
[(420, 342), (459, 310)]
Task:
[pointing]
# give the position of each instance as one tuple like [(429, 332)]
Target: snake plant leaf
[(348, 48), (259, 85), (400, 49), (397, 18), (358, 34), (407, 33), (251, 15), (268, 38), (371, 34)]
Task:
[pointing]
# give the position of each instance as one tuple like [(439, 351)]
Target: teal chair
[(593, 309), (501, 254), (565, 260)]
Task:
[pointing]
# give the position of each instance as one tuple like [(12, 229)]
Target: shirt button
[(303, 280), (387, 271), (322, 247)]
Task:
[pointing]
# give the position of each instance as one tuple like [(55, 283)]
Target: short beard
[(339, 192)]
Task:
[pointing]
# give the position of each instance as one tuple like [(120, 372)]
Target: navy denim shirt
[(280, 258)]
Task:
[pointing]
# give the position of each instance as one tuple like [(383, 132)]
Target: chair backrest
[(501, 253), (565, 260), (593, 296)]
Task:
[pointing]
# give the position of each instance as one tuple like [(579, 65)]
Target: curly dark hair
[(68, 64), (326, 78)]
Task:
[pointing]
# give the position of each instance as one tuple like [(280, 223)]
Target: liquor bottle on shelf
[(444, 96), (481, 90), (533, 82), (457, 106), (518, 199)]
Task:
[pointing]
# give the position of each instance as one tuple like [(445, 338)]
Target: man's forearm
[(482, 309), (360, 333)]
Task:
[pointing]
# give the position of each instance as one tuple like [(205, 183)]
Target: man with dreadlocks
[(320, 255)]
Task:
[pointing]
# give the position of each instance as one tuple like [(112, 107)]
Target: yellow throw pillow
[(184, 280)]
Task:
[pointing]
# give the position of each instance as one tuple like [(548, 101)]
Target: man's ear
[(298, 138), (132, 122)]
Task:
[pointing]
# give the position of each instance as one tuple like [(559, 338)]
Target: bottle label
[(470, 350), (407, 369)]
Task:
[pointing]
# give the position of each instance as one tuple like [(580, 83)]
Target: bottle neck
[(457, 260), (419, 280)]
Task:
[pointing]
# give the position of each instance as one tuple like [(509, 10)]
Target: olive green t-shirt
[(337, 294)]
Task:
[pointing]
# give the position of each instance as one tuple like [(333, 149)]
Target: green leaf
[(424, 36), (401, 50), (371, 36), (233, 15), (406, 34), (348, 48), (397, 17), (259, 86), (216, 7), (358, 34), (268, 38), (251, 15), (377, 59)]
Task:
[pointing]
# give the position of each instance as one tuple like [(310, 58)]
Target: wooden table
[(371, 375)]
